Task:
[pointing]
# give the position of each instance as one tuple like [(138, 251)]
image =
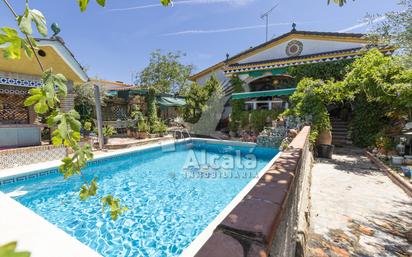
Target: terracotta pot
[(142, 135), (129, 132), (325, 137)]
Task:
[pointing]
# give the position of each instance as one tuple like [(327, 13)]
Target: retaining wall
[(268, 221)]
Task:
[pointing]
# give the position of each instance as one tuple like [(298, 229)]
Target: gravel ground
[(356, 210)]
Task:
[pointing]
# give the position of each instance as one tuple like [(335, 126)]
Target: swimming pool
[(173, 192)]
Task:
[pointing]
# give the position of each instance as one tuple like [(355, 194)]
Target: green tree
[(152, 108), (237, 105), (165, 72), (197, 97), (382, 80), (84, 101), (396, 29), (310, 101)]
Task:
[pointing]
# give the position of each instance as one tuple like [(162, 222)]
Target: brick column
[(67, 103)]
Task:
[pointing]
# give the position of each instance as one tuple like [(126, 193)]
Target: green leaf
[(83, 4), (93, 188), (11, 38), (32, 100), (68, 167), (166, 2), (29, 16), (27, 48), (41, 107), (115, 208), (83, 193), (88, 191), (101, 2), (9, 250)]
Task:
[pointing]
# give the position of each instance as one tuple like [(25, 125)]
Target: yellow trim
[(298, 36), (275, 43), (206, 71), (304, 59), (28, 66)]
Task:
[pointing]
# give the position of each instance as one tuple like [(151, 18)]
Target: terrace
[(298, 146)]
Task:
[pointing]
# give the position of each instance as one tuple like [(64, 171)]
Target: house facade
[(264, 68), (18, 126)]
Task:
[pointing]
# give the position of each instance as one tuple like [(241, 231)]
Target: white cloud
[(363, 24), (222, 30), (186, 2)]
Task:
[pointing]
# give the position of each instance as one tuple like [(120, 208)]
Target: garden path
[(356, 210)]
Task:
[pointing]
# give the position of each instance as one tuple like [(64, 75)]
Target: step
[(339, 123), (337, 138), (339, 130), (341, 143)]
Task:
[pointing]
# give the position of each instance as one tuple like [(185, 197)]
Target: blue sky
[(115, 41)]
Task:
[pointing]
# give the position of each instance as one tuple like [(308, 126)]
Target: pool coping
[(84, 250)]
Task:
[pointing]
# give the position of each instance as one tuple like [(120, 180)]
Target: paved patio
[(357, 210)]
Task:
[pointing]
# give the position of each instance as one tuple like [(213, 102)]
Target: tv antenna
[(266, 17)]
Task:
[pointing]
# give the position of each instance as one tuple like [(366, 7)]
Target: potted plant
[(160, 128), (130, 128), (87, 128), (108, 131), (142, 128)]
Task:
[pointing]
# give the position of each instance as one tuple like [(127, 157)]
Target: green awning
[(111, 93), (165, 101), (278, 92), (138, 92)]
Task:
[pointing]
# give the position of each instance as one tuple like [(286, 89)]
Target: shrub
[(151, 107), (108, 131), (142, 125), (87, 126), (384, 142), (259, 118), (368, 119), (237, 105), (159, 127)]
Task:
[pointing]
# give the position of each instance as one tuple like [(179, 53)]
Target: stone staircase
[(340, 135)]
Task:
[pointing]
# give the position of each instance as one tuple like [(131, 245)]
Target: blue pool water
[(169, 203)]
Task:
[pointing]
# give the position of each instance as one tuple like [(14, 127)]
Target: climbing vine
[(326, 71), (237, 105), (377, 85), (152, 109)]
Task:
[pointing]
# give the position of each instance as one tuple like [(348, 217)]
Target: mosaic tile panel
[(30, 155)]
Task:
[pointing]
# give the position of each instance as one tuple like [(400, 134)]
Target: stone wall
[(265, 222), (28, 155)]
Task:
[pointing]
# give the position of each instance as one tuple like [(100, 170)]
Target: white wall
[(220, 75), (310, 46)]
